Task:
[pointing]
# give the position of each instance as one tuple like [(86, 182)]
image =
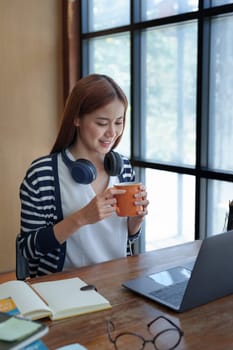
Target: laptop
[(183, 287)]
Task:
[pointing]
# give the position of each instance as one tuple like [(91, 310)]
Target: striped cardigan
[(41, 209)]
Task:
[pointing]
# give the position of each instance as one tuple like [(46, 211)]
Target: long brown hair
[(90, 93)]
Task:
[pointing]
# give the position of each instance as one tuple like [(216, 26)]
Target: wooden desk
[(206, 328)]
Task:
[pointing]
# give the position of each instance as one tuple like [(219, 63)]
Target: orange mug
[(125, 201)]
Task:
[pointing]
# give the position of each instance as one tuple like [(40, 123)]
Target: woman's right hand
[(101, 206)]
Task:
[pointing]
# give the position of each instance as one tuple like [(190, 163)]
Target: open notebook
[(55, 299)]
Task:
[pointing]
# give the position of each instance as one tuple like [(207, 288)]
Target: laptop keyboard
[(172, 294)]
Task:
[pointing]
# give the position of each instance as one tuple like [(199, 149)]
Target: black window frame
[(76, 12)]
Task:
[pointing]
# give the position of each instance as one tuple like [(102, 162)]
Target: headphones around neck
[(84, 172)]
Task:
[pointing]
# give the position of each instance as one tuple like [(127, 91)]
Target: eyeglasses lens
[(167, 336), (128, 341)]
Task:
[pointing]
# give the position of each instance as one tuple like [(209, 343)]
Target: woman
[(68, 208)]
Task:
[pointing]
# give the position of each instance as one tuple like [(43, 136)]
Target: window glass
[(107, 57), (152, 9), (103, 14), (221, 2), (219, 195), (170, 219), (158, 65), (221, 92), (169, 87)]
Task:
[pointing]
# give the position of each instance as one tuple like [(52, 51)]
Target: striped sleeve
[(128, 175), (38, 216)]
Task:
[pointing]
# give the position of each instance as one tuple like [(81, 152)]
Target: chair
[(230, 217), (22, 270)]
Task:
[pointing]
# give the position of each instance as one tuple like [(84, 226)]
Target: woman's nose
[(110, 131)]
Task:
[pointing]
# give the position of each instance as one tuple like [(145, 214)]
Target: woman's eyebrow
[(107, 118)]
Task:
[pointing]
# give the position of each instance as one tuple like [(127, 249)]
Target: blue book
[(36, 345), (8, 306), (18, 333)]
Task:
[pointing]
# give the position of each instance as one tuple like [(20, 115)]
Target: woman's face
[(99, 130)]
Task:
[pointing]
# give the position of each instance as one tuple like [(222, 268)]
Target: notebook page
[(66, 299), (28, 303)]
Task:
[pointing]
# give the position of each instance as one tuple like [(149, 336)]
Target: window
[(174, 60)]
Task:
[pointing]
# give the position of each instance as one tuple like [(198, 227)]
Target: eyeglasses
[(168, 336)]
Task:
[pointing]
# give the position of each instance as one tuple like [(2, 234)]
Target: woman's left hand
[(142, 201), (134, 222)]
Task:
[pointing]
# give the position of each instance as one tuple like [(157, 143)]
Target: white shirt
[(94, 243)]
